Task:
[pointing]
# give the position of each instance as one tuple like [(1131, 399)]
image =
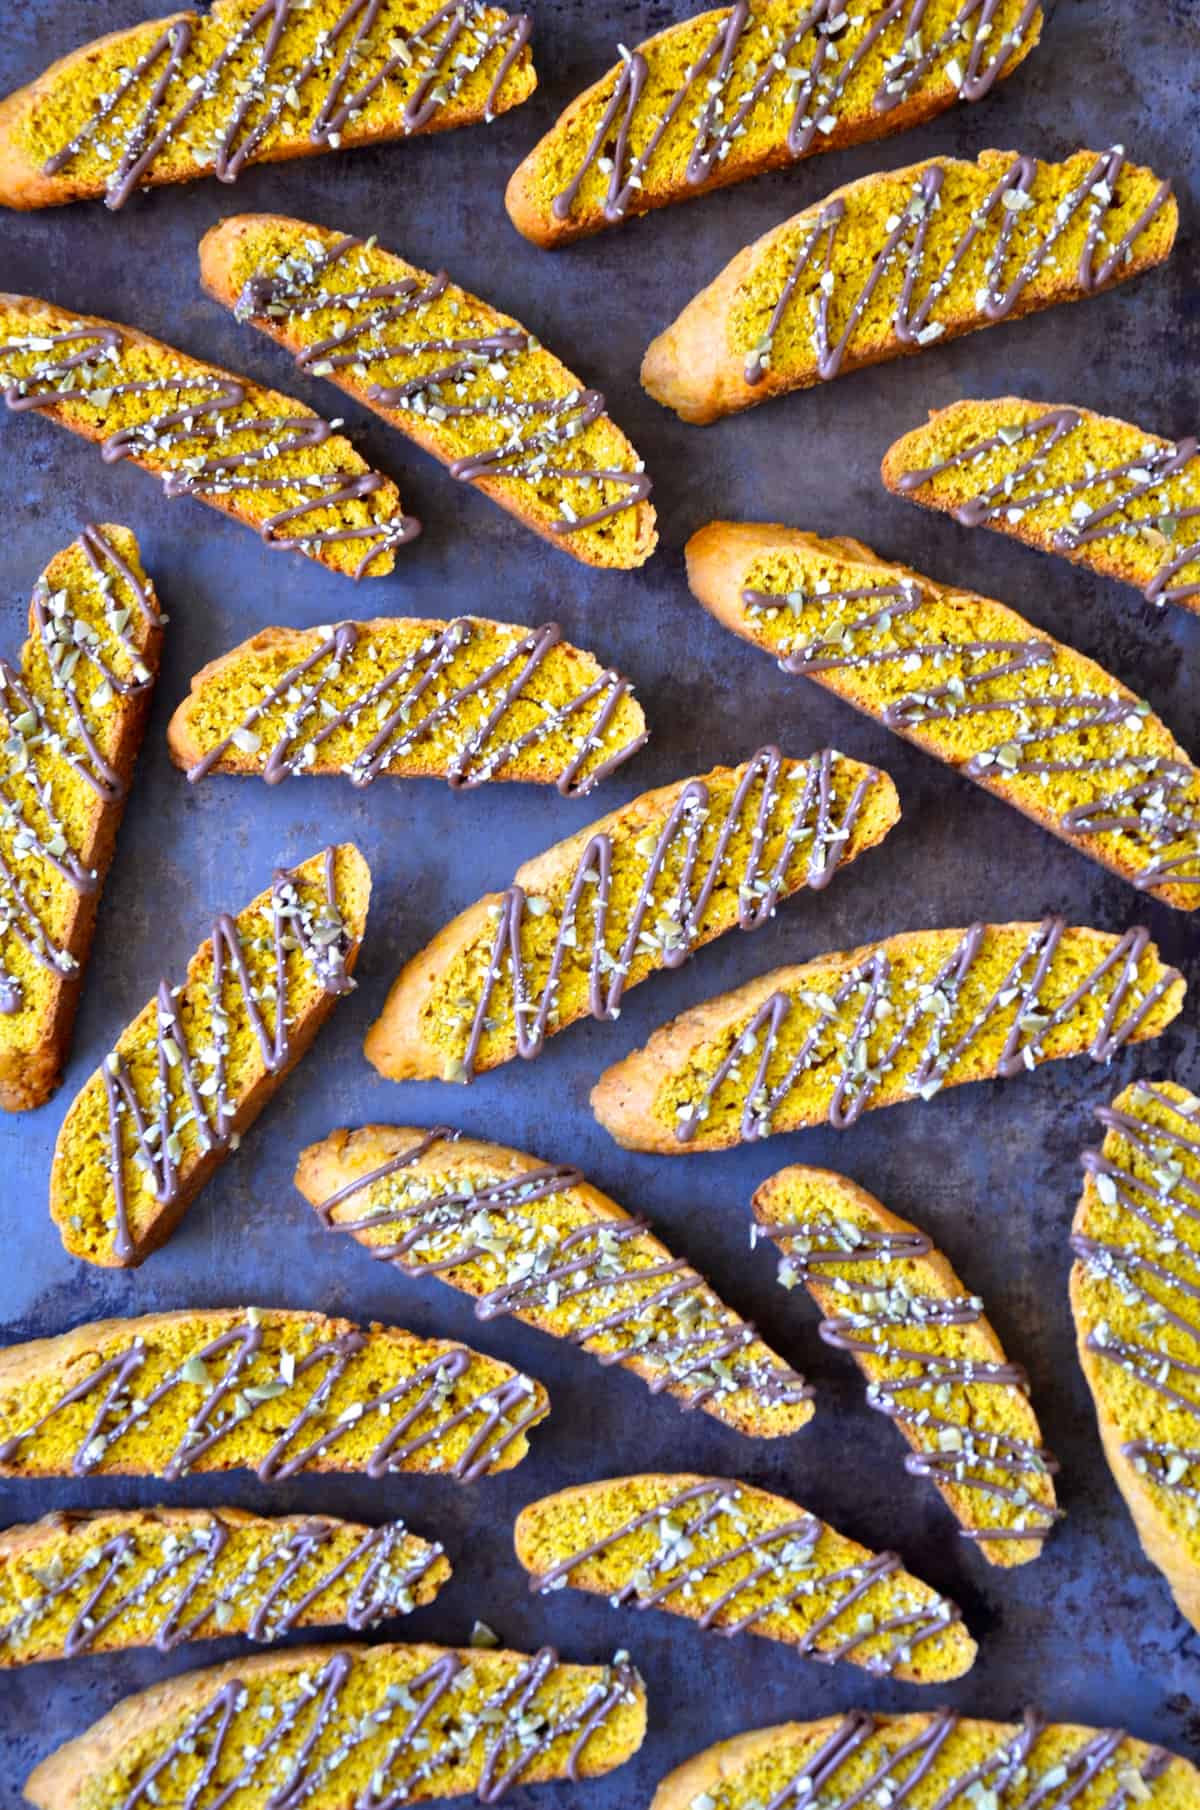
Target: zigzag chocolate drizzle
[(702, 1531), (358, 53)]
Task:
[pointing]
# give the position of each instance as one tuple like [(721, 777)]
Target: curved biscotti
[(890, 1021), (730, 93), (537, 1241), (254, 454), (889, 264), (633, 893), (467, 700), (973, 683), (953, 1759), (197, 1065), (470, 385), (206, 94), (931, 1358), (740, 1561), (1136, 1238), (1102, 493), (223, 1389), (98, 1582), (72, 713), (342, 1726)]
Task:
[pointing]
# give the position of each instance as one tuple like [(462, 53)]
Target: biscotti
[(1136, 1238), (952, 1760), (467, 700), (200, 94), (470, 385), (338, 1727), (72, 714), (746, 88), (537, 1241), (254, 454), (740, 1561), (890, 1021), (973, 683), (199, 1062), (889, 264), (113, 1578), (1103, 493), (633, 893), (223, 1389), (931, 1358)]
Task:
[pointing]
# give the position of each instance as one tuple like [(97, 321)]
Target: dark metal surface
[(991, 1171)]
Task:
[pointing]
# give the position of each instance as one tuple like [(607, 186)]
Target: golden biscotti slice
[(254, 454), (633, 893), (338, 1727), (937, 1758), (931, 1358), (207, 93), (467, 700), (887, 265), (108, 1579), (197, 1065), (740, 1561), (72, 714), (973, 683), (890, 1021), (746, 88), (470, 385), (1134, 1289), (224, 1389), (1103, 493), (537, 1241)]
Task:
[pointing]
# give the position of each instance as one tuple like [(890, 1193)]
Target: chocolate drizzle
[(602, 1282), (942, 1403), (381, 326), (1103, 493), (188, 412), (96, 643), (666, 925), (856, 1035), (1046, 721), (383, 711), (909, 242), (305, 1373), (747, 64), (704, 1536), (200, 59), (195, 1582)]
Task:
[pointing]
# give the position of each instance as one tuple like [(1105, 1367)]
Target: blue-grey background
[(992, 1171)]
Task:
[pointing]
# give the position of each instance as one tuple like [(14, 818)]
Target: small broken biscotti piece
[(254, 454), (1103, 493), (537, 1241), (938, 1758), (633, 893), (890, 1021), (224, 1389), (971, 682), (1134, 1287), (467, 701), (470, 385), (336, 1727), (741, 1561), (107, 1579), (72, 714), (200, 94), (931, 1358), (888, 264), (198, 1064), (742, 89)]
